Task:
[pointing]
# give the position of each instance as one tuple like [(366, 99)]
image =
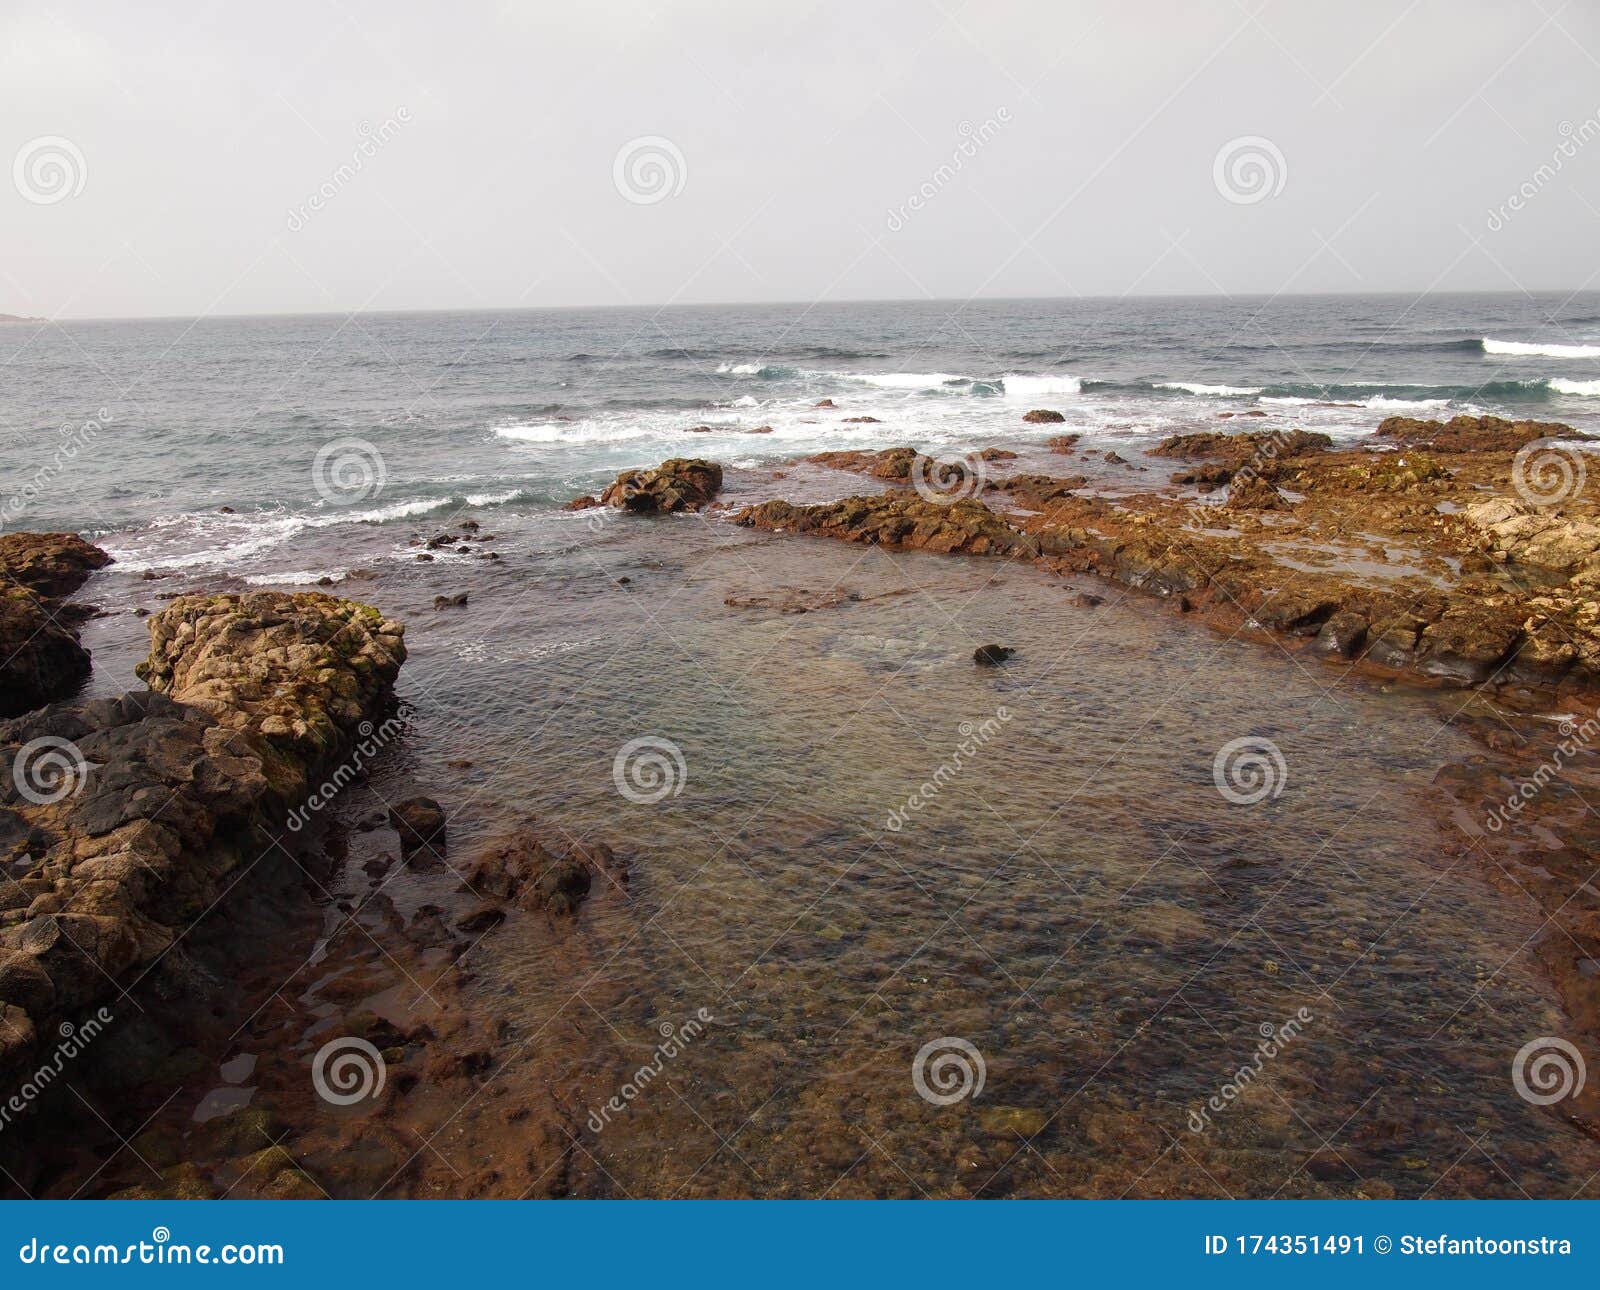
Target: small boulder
[(992, 655), (420, 822), (1042, 416)]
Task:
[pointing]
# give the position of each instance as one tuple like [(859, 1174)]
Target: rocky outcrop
[(51, 565), (125, 819), (898, 519), (1042, 417), (1472, 434), (1240, 448), (892, 464), (40, 658), (295, 673), (681, 484)]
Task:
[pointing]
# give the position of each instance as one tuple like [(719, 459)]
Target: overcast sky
[(181, 159)]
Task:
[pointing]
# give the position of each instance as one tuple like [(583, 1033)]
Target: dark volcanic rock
[(681, 484), (899, 519), (420, 822), (143, 810), (992, 655), (52, 565), (40, 658)]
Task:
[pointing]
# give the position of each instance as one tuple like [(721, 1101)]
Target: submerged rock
[(524, 870), (992, 655)]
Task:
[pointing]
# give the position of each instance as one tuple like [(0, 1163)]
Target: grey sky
[(204, 132)]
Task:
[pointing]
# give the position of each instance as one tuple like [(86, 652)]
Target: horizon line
[(1241, 297)]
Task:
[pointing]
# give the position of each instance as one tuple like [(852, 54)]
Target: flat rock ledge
[(122, 820)]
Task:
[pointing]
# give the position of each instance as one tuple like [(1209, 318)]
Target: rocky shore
[(1424, 551), (186, 896)]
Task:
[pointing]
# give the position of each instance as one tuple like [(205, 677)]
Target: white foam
[(568, 432), (1384, 403), (1532, 349), (1019, 386), (297, 578), (1584, 389), (898, 380), (1289, 400), (739, 369), (1194, 387)]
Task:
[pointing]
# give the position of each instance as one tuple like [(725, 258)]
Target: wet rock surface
[(681, 484), (40, 657)]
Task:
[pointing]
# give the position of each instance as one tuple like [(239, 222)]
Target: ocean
[(1076, 903), (170, 420)]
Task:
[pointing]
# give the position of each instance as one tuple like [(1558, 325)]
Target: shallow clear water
[(1078, 901)]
